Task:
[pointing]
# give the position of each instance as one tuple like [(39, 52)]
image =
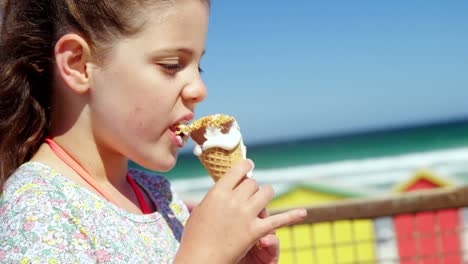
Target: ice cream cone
[(219, 144), (217, 161)]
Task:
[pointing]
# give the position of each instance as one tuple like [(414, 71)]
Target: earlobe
[(72, 54)]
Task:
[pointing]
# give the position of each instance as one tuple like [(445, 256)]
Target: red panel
[(428, 246), (404, 225), (408, 262), (450, 244), (425, 227), (452, 259), (430, 260), (449, 221), (404, 228), (425, 222)]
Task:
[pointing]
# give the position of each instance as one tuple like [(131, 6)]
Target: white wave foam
[(365, 173)]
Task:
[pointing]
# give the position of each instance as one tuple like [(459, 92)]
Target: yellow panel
[(364, 234), (286, 257), (345, 254), (301, 197), (302, 236), (325, 255), (305, 256), (319, 237), (366, 252), (284, 236), (363, 230), (342, 231), (322, 234)]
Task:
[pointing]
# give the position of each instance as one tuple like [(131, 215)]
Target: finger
[(235, 175), (271, 245), (284, 219), (246, 189), (264, 214), (266, 250), (261, 198), (269, 240)]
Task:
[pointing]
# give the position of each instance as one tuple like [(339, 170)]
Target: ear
[(72, 53)]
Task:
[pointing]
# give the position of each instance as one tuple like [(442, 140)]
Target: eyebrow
[(180, 50)]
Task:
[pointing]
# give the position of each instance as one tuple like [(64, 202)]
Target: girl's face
[(148, 84)]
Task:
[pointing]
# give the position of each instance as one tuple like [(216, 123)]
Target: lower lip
[(173, 138)]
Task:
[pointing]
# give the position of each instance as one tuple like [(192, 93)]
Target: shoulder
[(34, 191), (33, 213), (30, 189), (29, 179)]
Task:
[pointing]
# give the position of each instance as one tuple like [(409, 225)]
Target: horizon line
[(358, 132)]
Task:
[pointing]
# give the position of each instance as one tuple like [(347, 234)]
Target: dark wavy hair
[(29, 31)]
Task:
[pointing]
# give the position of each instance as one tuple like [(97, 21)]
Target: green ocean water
[(307, 151)]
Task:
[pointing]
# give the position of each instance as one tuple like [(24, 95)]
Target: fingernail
[(302, 213)]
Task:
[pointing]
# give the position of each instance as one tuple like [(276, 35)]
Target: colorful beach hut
[(427, 232)]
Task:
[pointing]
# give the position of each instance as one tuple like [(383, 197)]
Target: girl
[(87, 85)]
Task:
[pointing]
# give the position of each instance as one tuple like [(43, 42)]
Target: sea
[(372, 160)]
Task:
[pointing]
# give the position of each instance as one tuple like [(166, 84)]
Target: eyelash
[(176, 67), (172, 67)]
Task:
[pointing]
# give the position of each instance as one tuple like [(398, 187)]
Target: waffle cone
[(217, 161)]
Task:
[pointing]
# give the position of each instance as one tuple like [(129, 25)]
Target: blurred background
[(347, 100)]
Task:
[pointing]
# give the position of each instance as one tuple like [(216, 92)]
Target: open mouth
[(181, 131)]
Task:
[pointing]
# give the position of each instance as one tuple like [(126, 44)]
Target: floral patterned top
[(47, 218)]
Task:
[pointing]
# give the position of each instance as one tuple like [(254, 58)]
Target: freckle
[(138, 109)]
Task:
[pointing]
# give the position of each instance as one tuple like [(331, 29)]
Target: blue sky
[(288, 69)]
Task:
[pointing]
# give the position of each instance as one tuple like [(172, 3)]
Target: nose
[(195, 91)]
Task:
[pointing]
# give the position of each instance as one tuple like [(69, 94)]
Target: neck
[(72, 130), (104, 166)]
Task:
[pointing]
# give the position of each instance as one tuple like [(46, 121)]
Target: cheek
[(138, 104), (148, 118)]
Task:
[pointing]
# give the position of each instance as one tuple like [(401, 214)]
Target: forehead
[(175, 20)]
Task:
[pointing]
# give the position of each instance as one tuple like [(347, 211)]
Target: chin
[(165, 167), (163, 164), (157, 166)]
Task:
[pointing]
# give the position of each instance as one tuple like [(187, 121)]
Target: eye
[(200, 70), (171, 67)]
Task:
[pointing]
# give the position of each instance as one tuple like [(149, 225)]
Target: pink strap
[(141, 199), (73, 164)]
